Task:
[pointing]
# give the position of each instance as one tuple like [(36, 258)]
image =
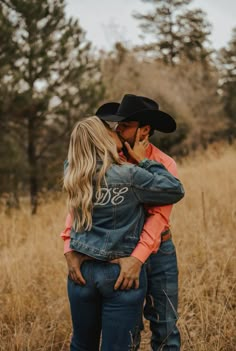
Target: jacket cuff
[(145, 163)]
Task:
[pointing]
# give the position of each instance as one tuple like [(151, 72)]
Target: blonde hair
[(90, 141)]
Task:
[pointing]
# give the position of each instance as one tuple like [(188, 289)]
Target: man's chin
[(121, 139)]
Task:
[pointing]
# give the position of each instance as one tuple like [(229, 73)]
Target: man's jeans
[(97, 309), (162, 298)]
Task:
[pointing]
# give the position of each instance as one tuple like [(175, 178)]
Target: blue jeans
[(162, 298), (97, 310)]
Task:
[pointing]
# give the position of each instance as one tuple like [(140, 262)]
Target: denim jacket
[(118, 215)]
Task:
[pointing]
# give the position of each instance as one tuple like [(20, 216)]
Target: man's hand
[(129, 273), (74, 262), (138, 152)]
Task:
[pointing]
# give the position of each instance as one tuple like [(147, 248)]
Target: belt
[(166, 235)]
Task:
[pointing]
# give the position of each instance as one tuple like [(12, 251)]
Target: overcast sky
[(108, 21)]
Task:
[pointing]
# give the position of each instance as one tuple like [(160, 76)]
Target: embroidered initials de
[(113, 195)]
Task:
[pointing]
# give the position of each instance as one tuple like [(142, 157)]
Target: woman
[(106, 199)]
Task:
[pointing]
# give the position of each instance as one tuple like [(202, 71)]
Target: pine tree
[(227, 58), (194, 30), (51, 80), (174, 31)]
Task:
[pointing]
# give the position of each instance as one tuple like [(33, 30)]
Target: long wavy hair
[(90, 142)]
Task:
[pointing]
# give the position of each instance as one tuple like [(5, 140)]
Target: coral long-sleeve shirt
[(157, 219)]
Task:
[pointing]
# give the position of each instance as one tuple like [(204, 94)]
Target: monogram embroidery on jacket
[(113, 195)]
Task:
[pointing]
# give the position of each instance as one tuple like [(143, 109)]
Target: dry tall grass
[(34, 307)]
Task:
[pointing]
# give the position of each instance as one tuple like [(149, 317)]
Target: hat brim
[(157, 119)]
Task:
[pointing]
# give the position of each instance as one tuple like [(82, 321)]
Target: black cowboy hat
[(137, 108)]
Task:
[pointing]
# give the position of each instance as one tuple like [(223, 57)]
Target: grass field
[(33, 303)]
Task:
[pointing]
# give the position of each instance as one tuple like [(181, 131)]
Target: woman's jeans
[(98, 310)]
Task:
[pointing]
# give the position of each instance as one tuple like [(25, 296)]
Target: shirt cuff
[(142, 253), (67, 246)]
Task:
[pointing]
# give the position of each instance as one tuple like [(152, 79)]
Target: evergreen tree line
[(50, 77)]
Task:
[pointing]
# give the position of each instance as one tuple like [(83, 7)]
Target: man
[(137, 114)]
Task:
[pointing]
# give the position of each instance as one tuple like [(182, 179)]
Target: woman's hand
[(138, 152)]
